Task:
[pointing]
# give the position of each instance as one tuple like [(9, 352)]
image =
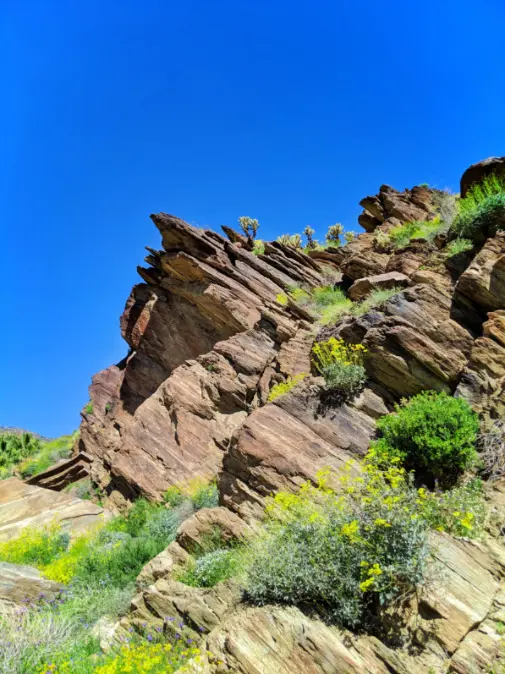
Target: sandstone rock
[(23, 505), (167, 603), (209, 522), (483, 283), (413, 344), (483, 380), (286, 443), (416, 204), (162, 565), (64, 473), (477, 172), (364, 286), (23, 585), (203, 330)]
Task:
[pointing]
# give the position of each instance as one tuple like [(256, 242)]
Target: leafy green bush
[(258, 247), (482, 211), (375, 300), (341, 365), (285, 386), (35, 546), (352, 554), (432, 432), (205, 496), (460, 511), (211, 568), (401, 236), (457, 246)]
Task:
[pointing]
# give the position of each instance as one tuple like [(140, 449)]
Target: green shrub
[(211, 568), (285, 386), (341, 365), (457, 246), (482, 211), (352, 554), (460, 511), (401, 236), (259, 247), (432, 432), (206, 496), (375, 300), (35, 546), (290, 240), (89, 408)]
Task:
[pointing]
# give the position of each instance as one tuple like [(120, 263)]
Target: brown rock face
[(206, 335), (364, 286), (477, 172), (483, 283), (391, 206)]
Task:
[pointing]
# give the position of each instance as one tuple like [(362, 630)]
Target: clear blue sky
[(289, 112)]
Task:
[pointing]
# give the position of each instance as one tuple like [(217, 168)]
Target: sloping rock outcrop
[(22, 585), (208, 338), (23, 505)]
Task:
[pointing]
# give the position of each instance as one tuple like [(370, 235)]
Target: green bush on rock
[(432, 432), (482, 211), (351, 553)]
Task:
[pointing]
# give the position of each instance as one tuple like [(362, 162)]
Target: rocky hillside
[(348, 402)]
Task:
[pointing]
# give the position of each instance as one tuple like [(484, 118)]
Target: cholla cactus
[(311, 242), (249, 226), (293, 240), (333, 234), (349, 236)]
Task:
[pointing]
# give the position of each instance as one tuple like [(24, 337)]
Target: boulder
[(413, 343), (23, 586), (483, 282), (23, 505), (211, 522), (286, 443), (162, 565), (477, 172), (364, 286)]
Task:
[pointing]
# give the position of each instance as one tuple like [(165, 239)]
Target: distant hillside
[(19, 431)]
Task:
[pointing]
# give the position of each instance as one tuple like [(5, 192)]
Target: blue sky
[(289, 112)]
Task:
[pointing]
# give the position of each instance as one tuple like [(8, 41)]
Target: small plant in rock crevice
[(285, 386), (491, 444), (482, 212), (341, 365)]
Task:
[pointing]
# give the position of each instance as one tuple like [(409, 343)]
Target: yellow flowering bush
[(352, 550), (341, 365), (285, 386), (37, 546)]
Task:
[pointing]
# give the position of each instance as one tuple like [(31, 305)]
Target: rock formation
[(208, 338)]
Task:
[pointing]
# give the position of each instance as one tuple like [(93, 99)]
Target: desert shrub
[(401, 236), (205, 496), (460, 511), (341, 365), (482, 211), (282, 299), (259, 247), (299, 295), (349, 236), (63, 567), (35, 546), (491, 444), (352, 554), (249, 226), (375, 300), (211, 568), (88, 409), (173, 496), (382, 240), (285, 386), (432, 432), (457, 246), (446, 205)]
